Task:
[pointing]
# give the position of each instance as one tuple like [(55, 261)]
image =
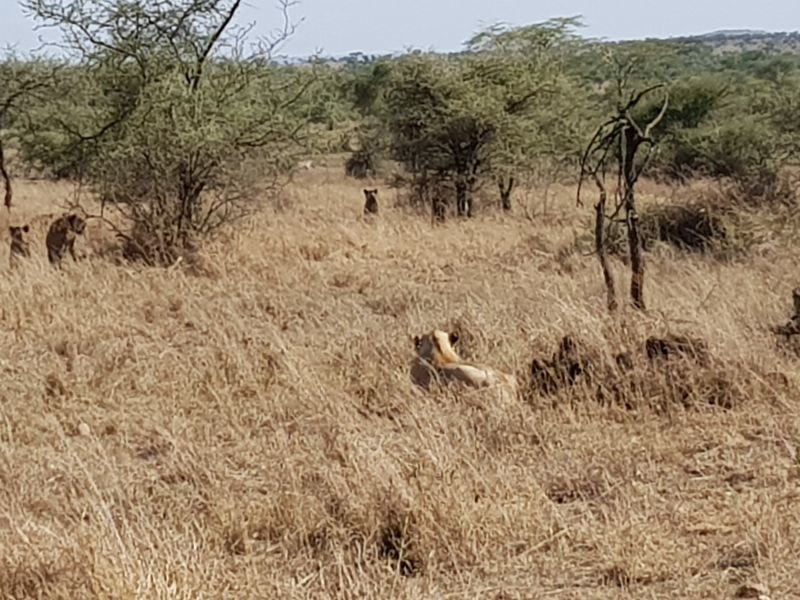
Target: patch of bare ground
[(251, 431)]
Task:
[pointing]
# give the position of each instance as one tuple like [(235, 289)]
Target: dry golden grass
[(250, 431)]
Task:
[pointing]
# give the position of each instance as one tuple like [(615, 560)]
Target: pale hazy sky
[(338, 27)]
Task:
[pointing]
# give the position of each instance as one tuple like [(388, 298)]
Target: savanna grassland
[(246, 427)]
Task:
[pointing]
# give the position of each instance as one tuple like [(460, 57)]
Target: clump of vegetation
[(179, 125), (454, 123), (744, 153), (397, 545), (694, 227), (25, 86), (747, 154)]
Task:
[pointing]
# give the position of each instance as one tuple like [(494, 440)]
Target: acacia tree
[(187, 123), (442, 116), (617, 143), (541, 103), (364, 85), (23, 84), (455, 121), (440, 121), (540, 147)]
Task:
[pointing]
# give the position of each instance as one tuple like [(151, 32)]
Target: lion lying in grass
[(438, 362)]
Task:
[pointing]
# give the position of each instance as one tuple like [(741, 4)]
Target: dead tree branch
[(600, 246), (621, 138), (9, 194)]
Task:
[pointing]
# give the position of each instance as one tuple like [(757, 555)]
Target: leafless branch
[(623, 135), (212, 41), (654, 123), (600, 245), (9, 194)]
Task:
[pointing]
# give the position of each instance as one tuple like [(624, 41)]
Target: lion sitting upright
[(19, 247), (61, 237), (437, 362)]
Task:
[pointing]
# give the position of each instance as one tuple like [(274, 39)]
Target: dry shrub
[(661, 374), (684, 382), (694, 227), (569, 365), (423, 193), (676, 347), (761, 189), (148, 243), (397, 542), (704, 226)]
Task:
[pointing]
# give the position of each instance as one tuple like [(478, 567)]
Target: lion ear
[(26, 229), (417, 341), (453, 338)]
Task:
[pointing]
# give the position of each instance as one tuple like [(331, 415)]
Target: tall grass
[(248, 429)]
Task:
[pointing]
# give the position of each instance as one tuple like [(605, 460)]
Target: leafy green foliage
[(440, 119), (173, 123), (159, 104), (487, 113), (24, 86), (546, 110), (745, 152), (57, 139)]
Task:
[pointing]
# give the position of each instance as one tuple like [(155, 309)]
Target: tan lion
[(19, 247), (61, 236), (371, 202), (438, 362)]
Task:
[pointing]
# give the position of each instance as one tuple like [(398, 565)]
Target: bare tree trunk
[(637, 258), (470, 188), (632, 140), (621, 138), (505, 192), (462, 197), (433, 194), (600, 248), (9, 193)]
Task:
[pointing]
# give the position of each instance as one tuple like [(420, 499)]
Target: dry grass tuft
[(248, 429)]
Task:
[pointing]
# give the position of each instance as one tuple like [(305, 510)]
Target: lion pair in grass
[(60, 240)]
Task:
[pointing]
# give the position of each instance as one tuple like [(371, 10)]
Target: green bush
[(745, 152), (175, 132)]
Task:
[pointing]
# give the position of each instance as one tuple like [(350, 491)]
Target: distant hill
[(744, 40), (725, 41), (732, 33)]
